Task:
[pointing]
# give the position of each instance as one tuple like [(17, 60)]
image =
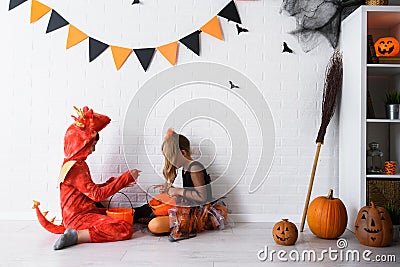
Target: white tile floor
[(25, 243)]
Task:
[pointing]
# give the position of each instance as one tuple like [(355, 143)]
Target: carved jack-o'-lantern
[(373, 226), (387, 47), (285, 233)]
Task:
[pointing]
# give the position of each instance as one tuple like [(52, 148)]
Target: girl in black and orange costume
[(195, 197)]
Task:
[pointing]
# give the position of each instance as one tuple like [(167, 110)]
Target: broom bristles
[(332, 86)]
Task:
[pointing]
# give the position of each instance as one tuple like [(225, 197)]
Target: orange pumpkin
[(373, 226), (387, 47), (327, 216), (161, 204), (285, 233)]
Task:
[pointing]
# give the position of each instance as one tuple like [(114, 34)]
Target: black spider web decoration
[(316, 18)]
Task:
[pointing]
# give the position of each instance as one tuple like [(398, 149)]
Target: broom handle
[(310, 185)]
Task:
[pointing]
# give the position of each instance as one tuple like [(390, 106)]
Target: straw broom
[(332, 86)]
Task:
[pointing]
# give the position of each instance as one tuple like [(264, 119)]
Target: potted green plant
[(392, 103), (394, 213)]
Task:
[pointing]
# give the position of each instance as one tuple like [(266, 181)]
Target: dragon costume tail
[(48, 225)]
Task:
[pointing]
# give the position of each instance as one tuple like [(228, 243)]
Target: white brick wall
[(41, 81)]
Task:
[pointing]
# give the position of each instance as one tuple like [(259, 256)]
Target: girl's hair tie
[(170, 132)]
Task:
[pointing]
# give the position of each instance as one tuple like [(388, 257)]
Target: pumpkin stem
[(330, 194), (372, 204), (285, 220)]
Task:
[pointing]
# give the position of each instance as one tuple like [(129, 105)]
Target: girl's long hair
[(171, 150)]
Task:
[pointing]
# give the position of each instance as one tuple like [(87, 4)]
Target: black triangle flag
[(14, 3), (192, 41), (145, 55), (96, 48), (230, 12), (55, 22)]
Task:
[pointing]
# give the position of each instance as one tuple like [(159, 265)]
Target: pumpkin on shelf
[(285, 233), (387, 47), (327, 216), (373, 226)]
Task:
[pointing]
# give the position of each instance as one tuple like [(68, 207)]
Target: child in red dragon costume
[(82, 220)]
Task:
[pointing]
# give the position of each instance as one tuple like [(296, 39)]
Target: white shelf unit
[(382, 121), (383, 176), (355, 129)]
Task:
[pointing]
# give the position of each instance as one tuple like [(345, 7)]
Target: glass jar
[(374, 158)]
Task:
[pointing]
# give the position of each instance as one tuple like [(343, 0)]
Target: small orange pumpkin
[(161, 203), (387, 47), (285, 233), (373, 226), (327, 216)]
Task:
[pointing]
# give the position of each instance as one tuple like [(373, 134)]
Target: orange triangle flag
[(75, 36), (38, 10), (213, 28), (120, 55), (169, 51)]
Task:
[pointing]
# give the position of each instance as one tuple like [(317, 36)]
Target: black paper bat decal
[(135, 2), (233, 86), (286, 48), (241, 29)]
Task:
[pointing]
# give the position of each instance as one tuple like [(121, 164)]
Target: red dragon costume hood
[(80, 136)]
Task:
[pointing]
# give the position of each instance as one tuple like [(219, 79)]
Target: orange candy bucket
[(126, 214)]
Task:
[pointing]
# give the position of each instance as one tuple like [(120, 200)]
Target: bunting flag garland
[(96, 48), (38, 10), (14, 3), (230, 12), (145, 55), (75, 36), (213, 28), (169, 51), (192, 41), (121, 54), (56, 22)]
